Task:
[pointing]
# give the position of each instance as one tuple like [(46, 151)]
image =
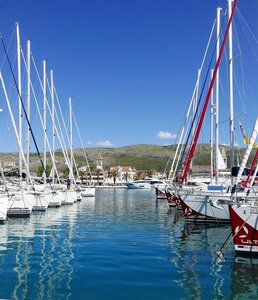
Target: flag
[(246, 138)]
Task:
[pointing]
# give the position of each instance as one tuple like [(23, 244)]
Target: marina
[(121, 241), (135, 218)]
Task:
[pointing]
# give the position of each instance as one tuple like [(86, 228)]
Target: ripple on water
[(119, 245)]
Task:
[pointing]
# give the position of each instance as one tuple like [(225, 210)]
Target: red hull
[(160, 194), (244, 225), (172, 199)]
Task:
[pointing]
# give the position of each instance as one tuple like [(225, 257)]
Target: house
[(124, 173), (9, 165)]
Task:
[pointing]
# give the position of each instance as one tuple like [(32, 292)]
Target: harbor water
[(122, 244)]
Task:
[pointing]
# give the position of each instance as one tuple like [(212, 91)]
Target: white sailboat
[(212, 204)]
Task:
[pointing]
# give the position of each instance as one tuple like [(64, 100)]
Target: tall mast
[(53, 121), (28, 108), (217, 100), (71, 136), (212, 129), (14, 125), (44, 121), (231, 106), (19, 95), (191, 151)]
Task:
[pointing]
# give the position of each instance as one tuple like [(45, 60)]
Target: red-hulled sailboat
[(244, 224)]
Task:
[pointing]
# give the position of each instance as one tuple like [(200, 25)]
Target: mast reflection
[(193, 254), (245, 278), (44, 254)]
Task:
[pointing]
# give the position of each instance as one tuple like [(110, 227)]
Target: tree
[(114, 174), (65, 171), (125, 176), (40, 170), (140, 175)]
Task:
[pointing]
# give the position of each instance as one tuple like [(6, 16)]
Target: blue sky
[(130, 66)]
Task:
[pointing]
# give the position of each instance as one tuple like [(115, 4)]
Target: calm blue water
[(120, 245)]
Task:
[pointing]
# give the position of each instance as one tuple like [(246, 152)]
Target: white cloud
[(228, 145), (89, 143), (166, 135), (104, 144)]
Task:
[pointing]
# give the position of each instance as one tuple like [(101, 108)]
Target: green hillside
[(143, 157)]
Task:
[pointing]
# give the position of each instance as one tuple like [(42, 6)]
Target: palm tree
[(114, 174), (97, 173), (125, 177)]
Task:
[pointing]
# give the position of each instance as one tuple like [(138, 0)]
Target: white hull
[(20, 204), (55, 199), (88, 192), (144, 184), (3, 207), (135, 185), (69, 197), (41, 201), (206, 207)]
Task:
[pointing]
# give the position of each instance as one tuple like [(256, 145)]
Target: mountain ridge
[(139, 156)]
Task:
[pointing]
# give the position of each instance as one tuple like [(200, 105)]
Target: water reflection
[(245, 278), (37, 255), (193, 253), (120, 239)]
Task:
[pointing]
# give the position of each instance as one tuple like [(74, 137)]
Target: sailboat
[(244, 215), (244, 224), (211, 204), (82, 191), (185, 185)]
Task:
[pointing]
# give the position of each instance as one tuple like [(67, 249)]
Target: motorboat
[(143, 184)]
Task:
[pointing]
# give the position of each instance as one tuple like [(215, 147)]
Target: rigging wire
[(198, 103), (84, 152), (23, 106), (40, 117), (251, 40)]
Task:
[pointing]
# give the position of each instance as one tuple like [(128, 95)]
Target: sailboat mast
[(212, 125), (195, 140), (53, 121), (231, 106), (19, 100), (28, 107), (44, 121), (217, 101), (14, 125), (71, 135)]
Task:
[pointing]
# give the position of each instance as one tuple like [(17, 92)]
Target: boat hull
[(88, 192), (160, 194), (205, 207), (146, 186), (244, 225), (3, 207), (69, 197), (20, 205), (56, 199), (41, 201)]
